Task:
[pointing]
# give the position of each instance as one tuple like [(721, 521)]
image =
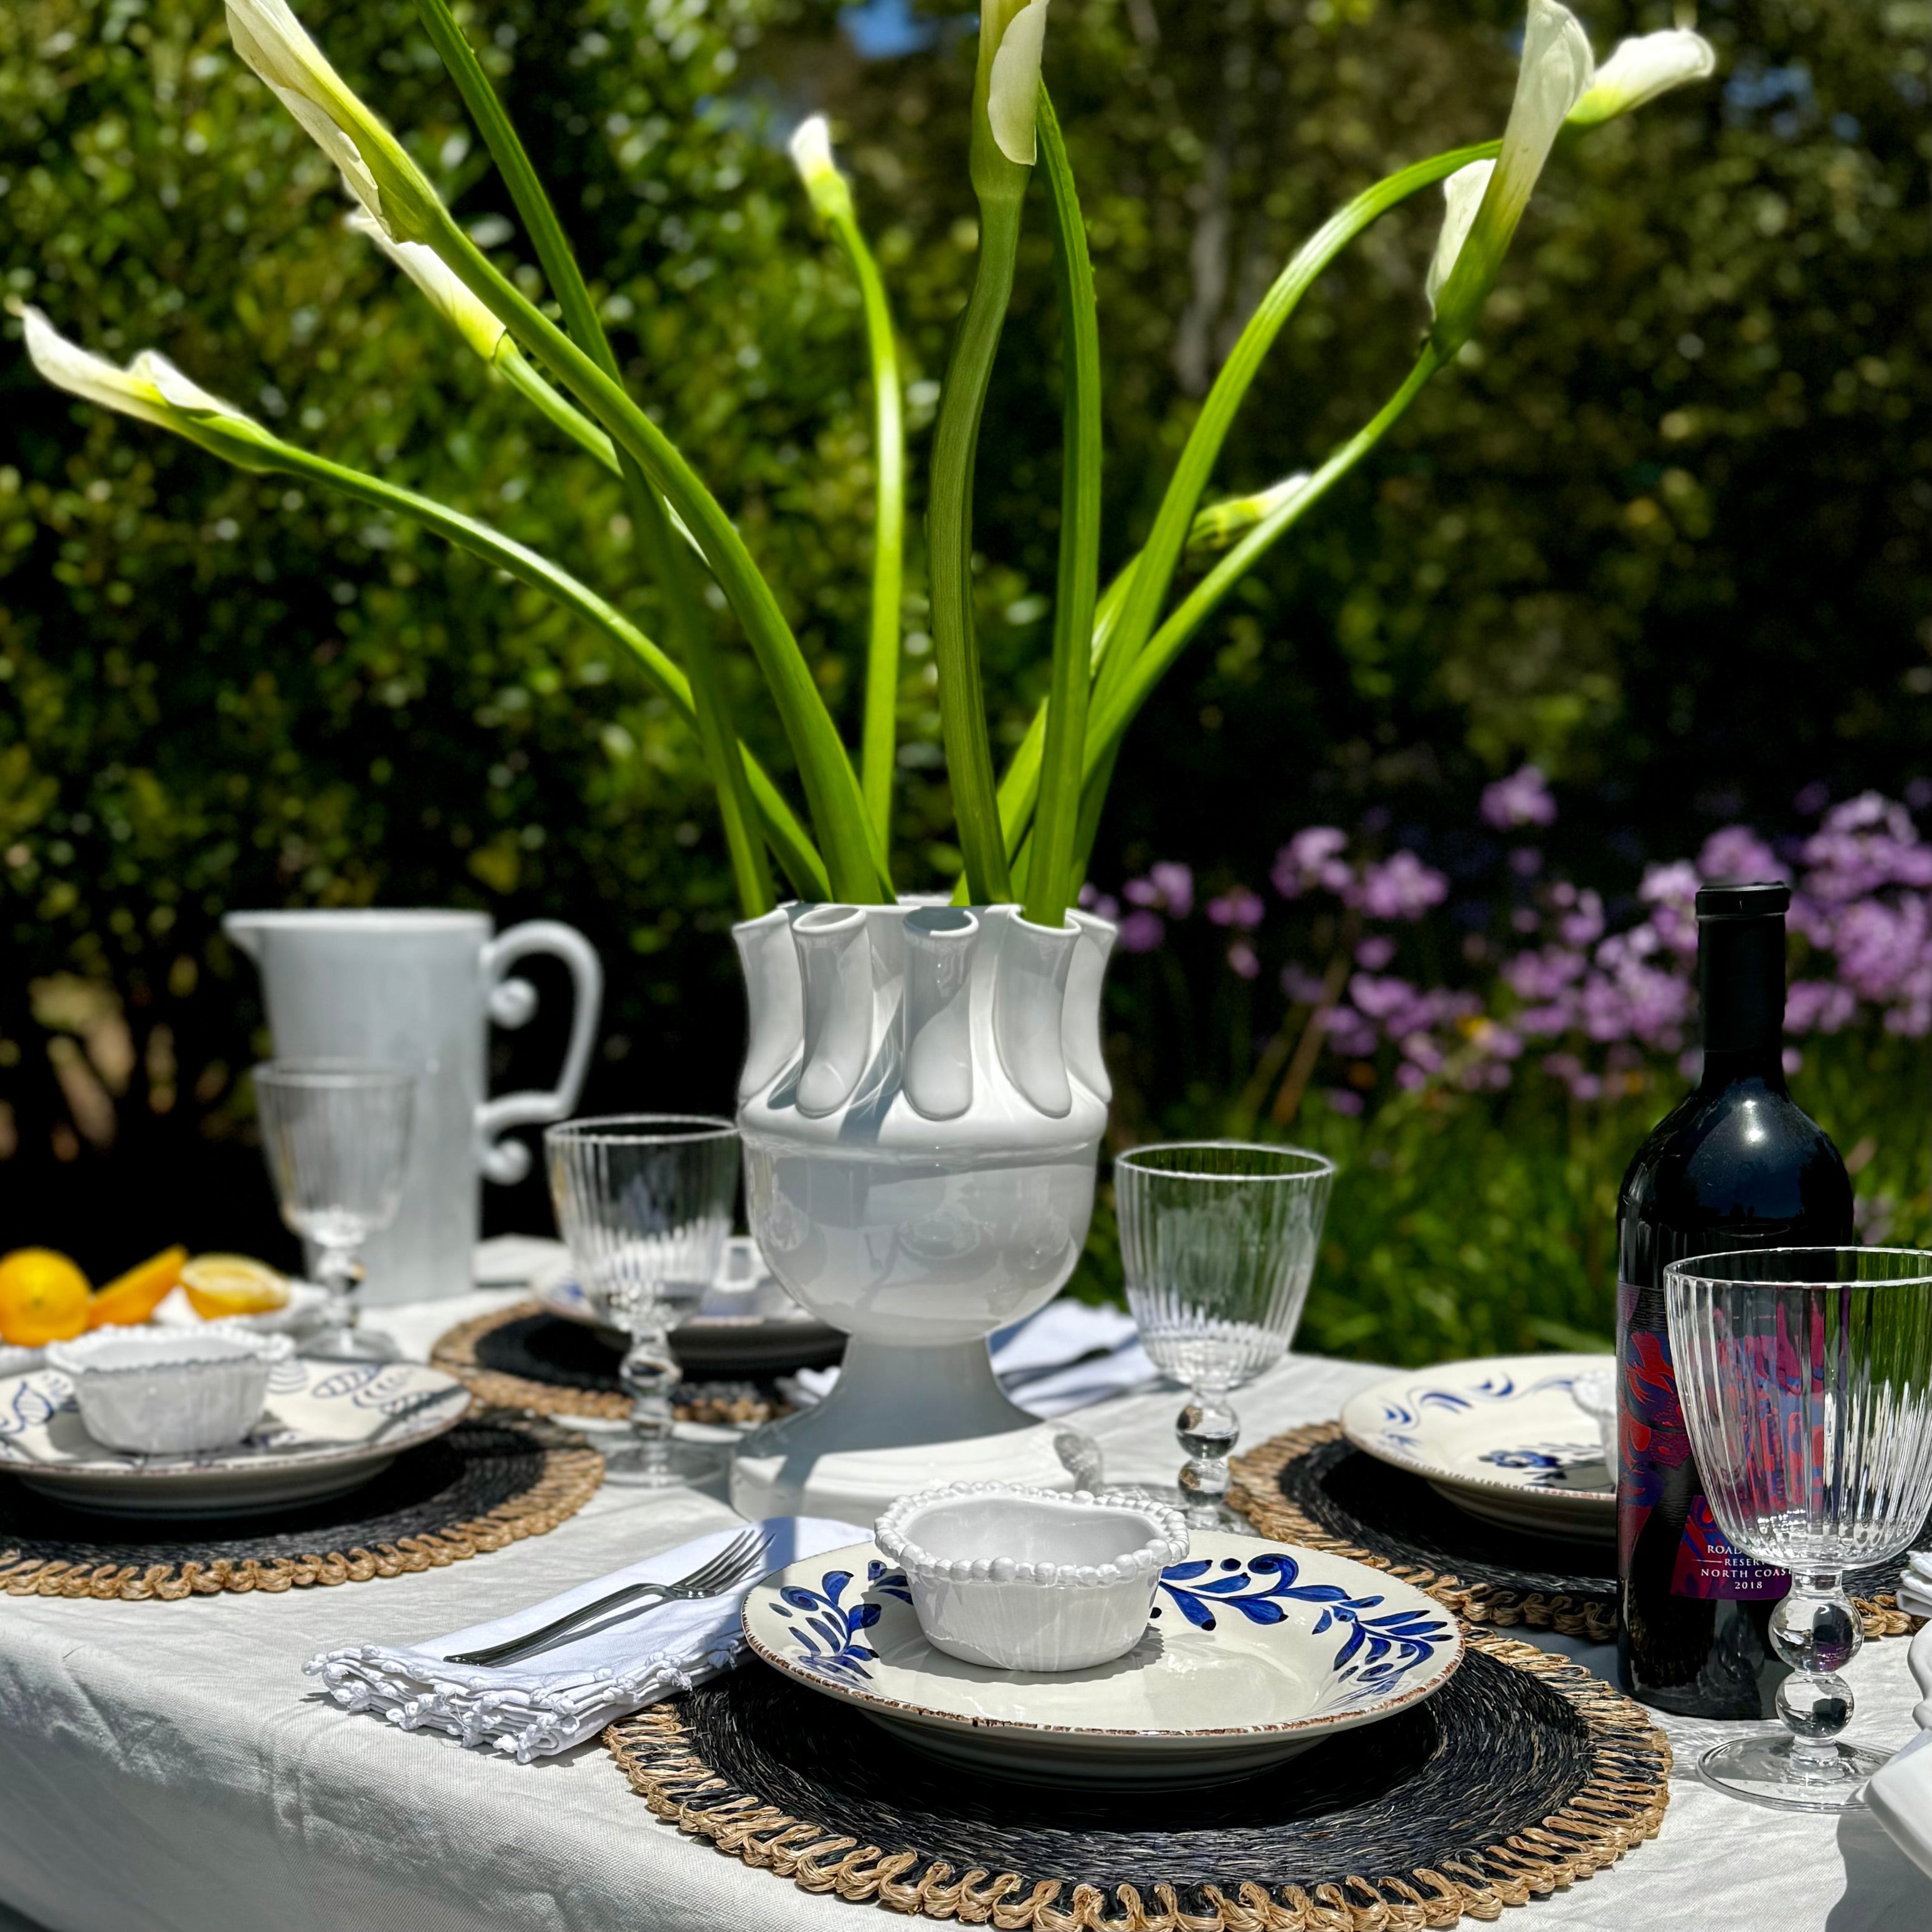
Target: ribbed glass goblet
[(1218, 1239), (644, 1202), (336, 1135), (1805, 1376)]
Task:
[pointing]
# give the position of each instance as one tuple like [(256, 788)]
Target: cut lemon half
[(219, 1284)]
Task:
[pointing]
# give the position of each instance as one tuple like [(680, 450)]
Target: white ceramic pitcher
[(419, 989)]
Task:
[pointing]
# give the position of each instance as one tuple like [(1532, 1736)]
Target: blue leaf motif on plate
[(827, 1630), (1493, 1388), (1375, 1651)]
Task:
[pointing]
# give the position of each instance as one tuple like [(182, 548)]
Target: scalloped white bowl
[(174, 1392), (1031, 1579)]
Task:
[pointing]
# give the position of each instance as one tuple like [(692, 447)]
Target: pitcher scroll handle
[(512, 1002)]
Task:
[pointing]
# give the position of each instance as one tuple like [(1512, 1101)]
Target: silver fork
[(737, 1561)]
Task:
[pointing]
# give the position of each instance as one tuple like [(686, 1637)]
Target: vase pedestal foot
[(900, 1419)]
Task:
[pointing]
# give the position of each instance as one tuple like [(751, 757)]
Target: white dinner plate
[(1502, 1437), (327, 1427), (1256, 1652), (747, 1325)]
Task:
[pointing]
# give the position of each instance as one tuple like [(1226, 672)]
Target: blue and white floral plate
[(1502, 1438), (1255, 1652), (326, 1427)]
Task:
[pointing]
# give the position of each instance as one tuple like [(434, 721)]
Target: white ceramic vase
[(922, 1105)]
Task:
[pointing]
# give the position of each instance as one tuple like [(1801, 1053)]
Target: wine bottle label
[(1652, 1445)]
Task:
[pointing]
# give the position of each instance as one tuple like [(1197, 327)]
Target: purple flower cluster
[(1599, 1004)]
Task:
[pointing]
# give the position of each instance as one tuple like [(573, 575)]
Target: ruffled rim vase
[(922, 1105)]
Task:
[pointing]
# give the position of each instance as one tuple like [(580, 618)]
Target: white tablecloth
[(168, 1766)]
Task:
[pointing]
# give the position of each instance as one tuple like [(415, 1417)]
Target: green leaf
[(1064, 742)]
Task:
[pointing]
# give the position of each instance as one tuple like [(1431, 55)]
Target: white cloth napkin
[(558, 1698), (1062, 1358), (1899, 1796), (1915, 1586)]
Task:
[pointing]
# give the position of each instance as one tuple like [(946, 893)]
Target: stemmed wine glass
[(336, 1134), (1805, 1376), (1219, 1239), (644, 1203)]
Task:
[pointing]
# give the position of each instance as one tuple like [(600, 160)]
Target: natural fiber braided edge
[(455, 1354), (1256, 1493), (571, 1474), (1621, 1804)]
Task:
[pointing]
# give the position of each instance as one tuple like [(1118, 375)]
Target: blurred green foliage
[(1664, 530)]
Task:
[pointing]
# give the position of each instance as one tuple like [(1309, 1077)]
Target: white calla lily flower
[(1556, 71), (1642, 69), (374, 164), (459, 308), (811, 147), (1463, 191), (1012, 39), (151, 388)]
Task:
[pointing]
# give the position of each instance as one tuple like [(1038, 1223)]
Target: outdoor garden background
[(1404, 849)]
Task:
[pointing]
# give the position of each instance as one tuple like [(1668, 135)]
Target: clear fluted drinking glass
[(1805, 1375), (1218, 1240), (336, 1134), (644, 1203)]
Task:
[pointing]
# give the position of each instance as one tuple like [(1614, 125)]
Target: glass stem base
[(350, 1344), (1772, 1771)]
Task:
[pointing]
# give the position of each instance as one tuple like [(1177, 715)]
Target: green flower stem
[(1001, 187), (1020, 785), (654, 524), (1113, 717), (796, 852), (516, 369), (688, 626), (1057, 813), (832, 791), (879, 748), (522, 375), (1176, 514)]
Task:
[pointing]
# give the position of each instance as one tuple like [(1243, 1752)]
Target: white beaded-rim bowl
[(1021, 1579), (171, 1392), (1596, 1395)]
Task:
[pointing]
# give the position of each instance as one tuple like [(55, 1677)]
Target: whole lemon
[(44, 1298)]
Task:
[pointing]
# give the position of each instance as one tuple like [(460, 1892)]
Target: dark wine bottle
[(1737, 1164)]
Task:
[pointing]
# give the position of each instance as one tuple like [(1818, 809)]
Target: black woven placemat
[(1312, 1486), (524, 1357), (1522, 1775), (493, 1479)]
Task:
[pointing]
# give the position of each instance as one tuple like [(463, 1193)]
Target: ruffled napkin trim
[(525, 1721)]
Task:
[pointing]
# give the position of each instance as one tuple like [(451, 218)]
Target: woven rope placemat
[(1522, 1774), (522, 1356), (493, 1480), (1311, 1486)]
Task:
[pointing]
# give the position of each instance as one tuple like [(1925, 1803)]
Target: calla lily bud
[(151, 388), (1218, 526), (811, 155), (1011, 39), (424, 267), (1463, 191), (375, 164), (1557, 70), (1642, 69)]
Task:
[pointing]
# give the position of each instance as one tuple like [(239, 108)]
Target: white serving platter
[(1256, 1652), (327, 1427), (1502, 1437)]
